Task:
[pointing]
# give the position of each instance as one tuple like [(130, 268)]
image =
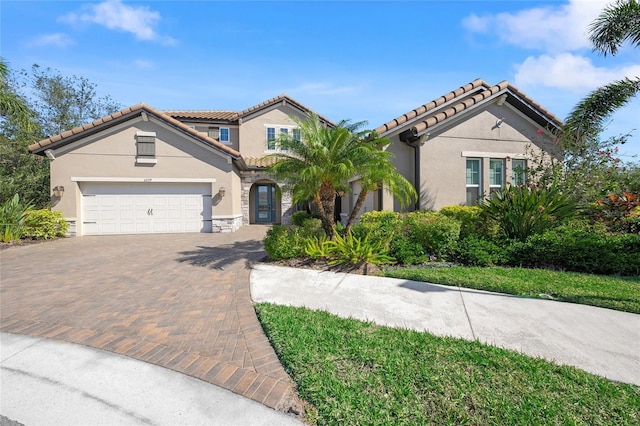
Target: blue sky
[(355, 60)]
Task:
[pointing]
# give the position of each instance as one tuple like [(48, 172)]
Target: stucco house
[(468, 142), (142, 170)]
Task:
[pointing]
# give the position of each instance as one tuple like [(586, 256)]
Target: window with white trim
[(271, 138), (145, 147), (496, 175), (474, 179), (518, 172), (224, 135), (274, 133)]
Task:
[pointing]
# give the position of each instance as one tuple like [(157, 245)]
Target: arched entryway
[(264, 203)]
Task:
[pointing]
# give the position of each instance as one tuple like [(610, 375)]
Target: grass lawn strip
[(356, 372), (619, 293)]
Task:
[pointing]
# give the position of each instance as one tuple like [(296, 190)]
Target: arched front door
[(265, 203)]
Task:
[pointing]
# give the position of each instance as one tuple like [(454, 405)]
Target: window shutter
[(146, 144)]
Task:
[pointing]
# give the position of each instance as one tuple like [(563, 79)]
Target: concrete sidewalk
[(597, 340), (46, 382)]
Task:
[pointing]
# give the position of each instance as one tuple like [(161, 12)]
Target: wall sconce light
[(58, 191), (499, 122), (222, 191), (50, 155)]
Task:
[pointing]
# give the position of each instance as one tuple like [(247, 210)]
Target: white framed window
[(474, 179), (518, 172), (275, 131), (221, 134), (271, 138), (224, 135), (496, 174)]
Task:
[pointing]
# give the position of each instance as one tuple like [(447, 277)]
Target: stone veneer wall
[(226, 224), (286, 203)]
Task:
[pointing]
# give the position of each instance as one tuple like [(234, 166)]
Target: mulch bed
[(323, 265)]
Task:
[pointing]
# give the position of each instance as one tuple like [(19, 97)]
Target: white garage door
[(133, 208)]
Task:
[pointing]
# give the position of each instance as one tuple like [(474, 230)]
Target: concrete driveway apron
[(180, 301)]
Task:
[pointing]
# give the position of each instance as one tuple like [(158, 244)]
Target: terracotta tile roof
[(116, 117), (280, 98), (203, 115), (437, 111), (259, 162)]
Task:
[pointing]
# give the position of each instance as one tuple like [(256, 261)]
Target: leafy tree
[(33, 106), (12, 105), (323, 159), (617, 23)]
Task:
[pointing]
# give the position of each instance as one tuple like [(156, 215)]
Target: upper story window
[(221, 134), (274, 132), (224, 135), (518, 172), (145, 147), (474, 179), (271, 138), (496, 174)]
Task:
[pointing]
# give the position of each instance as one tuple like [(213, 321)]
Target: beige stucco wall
[(234, 132), (443, 156), (112, 154), (253, 130)]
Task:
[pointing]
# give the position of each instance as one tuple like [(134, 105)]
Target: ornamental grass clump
[(12, 216), (522, 211)]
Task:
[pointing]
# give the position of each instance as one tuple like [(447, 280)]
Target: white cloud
[(568, 71), (548, 28), (113, 14), (55, 40)]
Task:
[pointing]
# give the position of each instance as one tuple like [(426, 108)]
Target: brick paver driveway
[(180, 301)]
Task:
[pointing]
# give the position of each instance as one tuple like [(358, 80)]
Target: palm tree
[(319, 163), (381, 174), (617, 23), (11, 104)]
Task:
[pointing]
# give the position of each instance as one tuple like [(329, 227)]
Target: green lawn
[(620, 293), (357, 373)]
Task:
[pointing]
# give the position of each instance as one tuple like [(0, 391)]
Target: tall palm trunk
[(356, 209), (328, 202)]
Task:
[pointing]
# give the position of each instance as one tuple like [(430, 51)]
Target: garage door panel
[(146, 208)]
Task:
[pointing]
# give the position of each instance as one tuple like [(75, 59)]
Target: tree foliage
[(35, 105), (322, 161), (617, 23)]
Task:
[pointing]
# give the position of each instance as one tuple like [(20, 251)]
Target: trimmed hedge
[(44, 225), (580, 250)]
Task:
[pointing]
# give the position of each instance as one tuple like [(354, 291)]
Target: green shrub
[(471, 222), (12, 216), (44, 225), (378, 225), (298, 217), (581, 249), (357, 251), (311, 227), (521, 212), (319, 247), (435, 232), (407, 251), (478, 251), (283, 242)]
